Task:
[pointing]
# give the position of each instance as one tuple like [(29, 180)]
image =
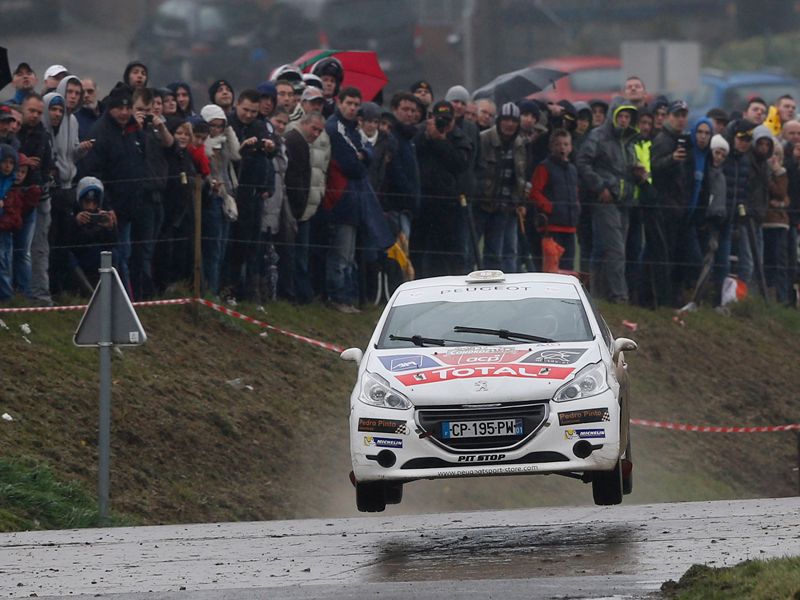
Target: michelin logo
[(581, 434), (381, 442)]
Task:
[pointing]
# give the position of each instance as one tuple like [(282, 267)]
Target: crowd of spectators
[(308, 191)]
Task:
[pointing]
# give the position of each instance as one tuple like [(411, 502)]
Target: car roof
[(507, 278), (749, 77)]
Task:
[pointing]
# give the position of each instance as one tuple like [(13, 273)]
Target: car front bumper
[(575, 436)]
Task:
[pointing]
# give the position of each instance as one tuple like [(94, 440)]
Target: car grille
[(532, 414)]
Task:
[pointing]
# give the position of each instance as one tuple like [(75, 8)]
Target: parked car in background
[(588, 77), (389, 28), (199, 41), (731, 91)]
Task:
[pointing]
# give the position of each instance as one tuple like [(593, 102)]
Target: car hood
[(482, 374)]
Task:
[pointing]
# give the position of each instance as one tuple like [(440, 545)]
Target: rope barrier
[(217, 307), (701, 429)]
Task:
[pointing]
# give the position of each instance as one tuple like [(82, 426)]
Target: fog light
[(386, 458)]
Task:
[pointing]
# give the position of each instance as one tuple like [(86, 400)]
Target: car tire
[(627, 482), (607, 486), (393, 493), (370, 496)]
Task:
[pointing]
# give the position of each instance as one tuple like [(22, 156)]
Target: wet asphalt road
[(567, 552)]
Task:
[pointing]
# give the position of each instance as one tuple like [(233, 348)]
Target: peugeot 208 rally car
[(490, 374)]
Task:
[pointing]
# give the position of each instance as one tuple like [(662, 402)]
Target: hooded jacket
[(6, 181), (189, 112), (758, 182), (701, 163), (86, 237), (608, 156), (129, 67), (66, 143)]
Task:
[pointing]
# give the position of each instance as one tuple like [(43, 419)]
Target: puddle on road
[(506, 553)]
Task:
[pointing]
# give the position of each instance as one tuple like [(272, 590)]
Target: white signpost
[(110, 320)]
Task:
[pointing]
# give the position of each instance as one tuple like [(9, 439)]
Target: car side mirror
[(623, 345), (356, 354)]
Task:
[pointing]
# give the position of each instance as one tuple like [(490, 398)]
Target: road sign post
[(110, 320)]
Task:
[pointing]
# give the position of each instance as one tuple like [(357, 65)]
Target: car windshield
[(560, 319)]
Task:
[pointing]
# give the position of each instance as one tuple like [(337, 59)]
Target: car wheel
[(370, 496), (607, 486), (393, 493), (627, 469)]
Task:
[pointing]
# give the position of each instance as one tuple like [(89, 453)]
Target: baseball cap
[(422, 84), (6, 114), (678, 105), (443, 109), (55, 71), (23, 66), (312, 93), (743, 128)]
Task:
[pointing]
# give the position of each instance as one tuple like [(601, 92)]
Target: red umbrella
[(361, 69)]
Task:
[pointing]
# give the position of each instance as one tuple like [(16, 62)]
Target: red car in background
[(588, 77)]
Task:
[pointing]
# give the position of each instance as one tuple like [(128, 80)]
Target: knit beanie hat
[(121, 95), (212, 111), (509, 110), (457, 92), (212, 90), (719, 142)]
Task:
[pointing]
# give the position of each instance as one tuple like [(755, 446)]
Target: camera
[(683, 142), (148, 119), (97, 218), (441, 124)]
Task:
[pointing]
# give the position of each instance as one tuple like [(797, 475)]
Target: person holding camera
[(673, 166), (93, 230), (256, 176), (148, 215), (443, 153)]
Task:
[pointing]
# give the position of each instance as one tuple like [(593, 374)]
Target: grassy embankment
[(187, 446)]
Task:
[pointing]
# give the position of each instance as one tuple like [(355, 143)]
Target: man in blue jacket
[(349, 202)]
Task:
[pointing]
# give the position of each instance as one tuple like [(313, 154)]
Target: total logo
[(468, 372)]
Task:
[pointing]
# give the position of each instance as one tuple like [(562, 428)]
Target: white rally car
[(490, 374)]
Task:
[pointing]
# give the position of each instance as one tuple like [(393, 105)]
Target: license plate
[(465, 429)]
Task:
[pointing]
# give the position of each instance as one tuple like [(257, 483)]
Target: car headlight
[(376, 391), (589, 381)]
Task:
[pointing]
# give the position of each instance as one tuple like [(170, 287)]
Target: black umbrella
[(516, 85), (5, 69)]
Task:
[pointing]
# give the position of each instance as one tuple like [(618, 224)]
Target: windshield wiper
[(502, 333), (418, 340)]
